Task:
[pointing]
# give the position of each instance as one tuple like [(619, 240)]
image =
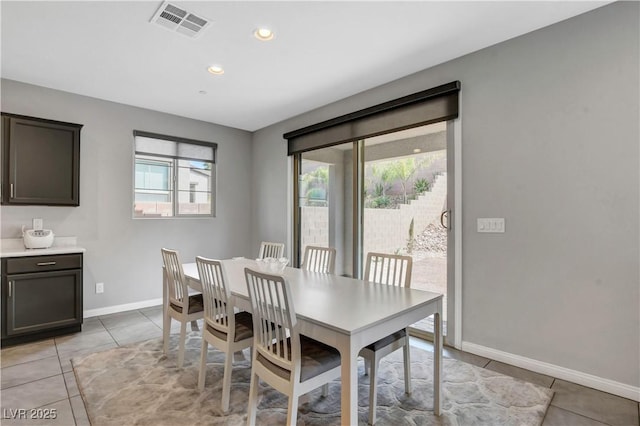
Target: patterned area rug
[(138, 385)]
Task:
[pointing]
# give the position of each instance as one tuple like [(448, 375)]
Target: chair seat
[(386, 341), (244, 328), (196, 304), (316, 358)]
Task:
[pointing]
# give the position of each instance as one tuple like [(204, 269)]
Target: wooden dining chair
[(288, 361), (224, 328), (319, 259), (180, 306), (391, 270), (267, 249)]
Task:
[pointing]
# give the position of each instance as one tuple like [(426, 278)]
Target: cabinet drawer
[(58, 262)]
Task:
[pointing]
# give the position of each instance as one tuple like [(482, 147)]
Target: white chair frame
[(391, 270), (319, 259), (274, 320), (220, 315), (267, 249), (178, 295)]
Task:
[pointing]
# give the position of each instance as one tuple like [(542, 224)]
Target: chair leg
[(253, 399), (292, 412), (183, 338), (407, 365), (166, 331), (194, 326), (325, 390), (203, 364), (367, 366), (373, 391), (226, 381)]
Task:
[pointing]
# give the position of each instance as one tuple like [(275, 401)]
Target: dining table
[(345, 313)]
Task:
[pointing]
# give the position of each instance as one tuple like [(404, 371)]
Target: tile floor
[(39, 375)]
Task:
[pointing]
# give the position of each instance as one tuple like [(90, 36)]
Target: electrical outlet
[(37, 224), (99, 287)]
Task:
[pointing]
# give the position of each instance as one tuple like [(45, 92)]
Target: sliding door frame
[(438, 104), (454, 239)]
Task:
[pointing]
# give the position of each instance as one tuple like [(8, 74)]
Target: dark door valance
[(418, 109)]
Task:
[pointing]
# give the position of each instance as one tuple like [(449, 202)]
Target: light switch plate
[(37, 224), (491, 224)]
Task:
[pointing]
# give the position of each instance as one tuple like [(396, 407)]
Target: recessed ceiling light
[(263, 34), (417, 150), (216, 70), (203, 92)]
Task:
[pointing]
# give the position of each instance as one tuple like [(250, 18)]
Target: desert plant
[(421, 185), (380, 202), (378, 190), (411, 242), (403, 170), (385, 175), (317, 178)]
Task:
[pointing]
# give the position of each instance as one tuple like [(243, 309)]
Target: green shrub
[(378, 191), (380, 202), (317, 194), (421, 185)]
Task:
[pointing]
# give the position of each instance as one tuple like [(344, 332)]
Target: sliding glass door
[(382, 194), (405, 187), (382, 179)]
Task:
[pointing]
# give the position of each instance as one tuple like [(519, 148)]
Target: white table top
[(344, 304)]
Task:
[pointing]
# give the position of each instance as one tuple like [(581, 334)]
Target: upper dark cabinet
[(40, 161)]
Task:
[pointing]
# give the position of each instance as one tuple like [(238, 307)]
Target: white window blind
[(174, 177)]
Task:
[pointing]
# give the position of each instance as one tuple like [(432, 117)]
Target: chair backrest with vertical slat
[(275, 333), (319, 259), (175, 276), (218, 311), (267, 249), (388, 269)]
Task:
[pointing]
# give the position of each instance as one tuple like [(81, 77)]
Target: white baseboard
[(121, 308), (589, 380)]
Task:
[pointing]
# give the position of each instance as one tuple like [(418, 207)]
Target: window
[(174, 177)]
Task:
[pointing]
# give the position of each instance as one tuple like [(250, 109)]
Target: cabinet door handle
[(11, 190), (46, 263), (10, 288)]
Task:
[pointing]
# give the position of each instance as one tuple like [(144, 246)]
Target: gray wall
[(551, 143), (122, 252)]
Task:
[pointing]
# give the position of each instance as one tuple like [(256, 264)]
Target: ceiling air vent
[(180, 20)]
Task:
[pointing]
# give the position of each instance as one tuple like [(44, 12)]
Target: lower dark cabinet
[(41, 296)]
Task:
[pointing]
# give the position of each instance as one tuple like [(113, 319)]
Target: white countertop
[(14, 247)]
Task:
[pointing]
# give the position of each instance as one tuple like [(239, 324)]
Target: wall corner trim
[(606, 385), (121, 308)]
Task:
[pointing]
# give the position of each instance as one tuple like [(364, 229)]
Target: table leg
[(349, 379), (437, 360)]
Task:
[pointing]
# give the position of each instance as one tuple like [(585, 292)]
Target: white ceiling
[(322, 52)]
